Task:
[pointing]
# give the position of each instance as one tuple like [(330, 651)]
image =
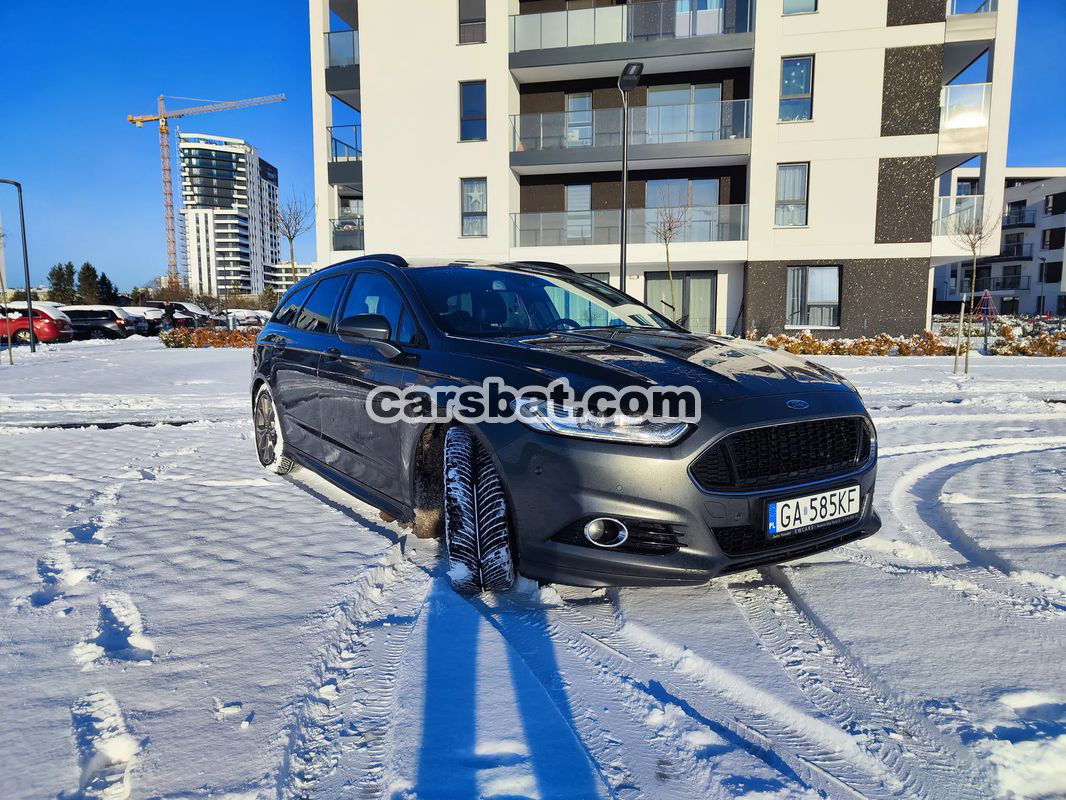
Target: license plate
[(806, 513)]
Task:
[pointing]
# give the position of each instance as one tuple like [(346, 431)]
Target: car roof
[(92, 308), (399, 262)]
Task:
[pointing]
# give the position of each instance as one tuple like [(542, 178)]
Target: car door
[(292, 373), (352, 443)]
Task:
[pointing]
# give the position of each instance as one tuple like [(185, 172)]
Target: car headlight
[(540, 415)]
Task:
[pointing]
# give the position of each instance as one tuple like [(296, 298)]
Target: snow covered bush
[(207, 337), (1039, 344), (805, 343)]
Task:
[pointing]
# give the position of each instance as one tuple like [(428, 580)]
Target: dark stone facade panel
[(904, 199), (877, 295), (910, 98), (916, 12)]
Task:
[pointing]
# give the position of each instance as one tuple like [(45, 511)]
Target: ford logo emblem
[(798, 405)]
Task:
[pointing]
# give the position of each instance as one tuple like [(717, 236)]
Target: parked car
[(100, 322), (182, 313), (49, 323), (568, 500), (248, 318), (153, 317)]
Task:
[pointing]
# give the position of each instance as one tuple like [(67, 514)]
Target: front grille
[(646, 537), (778, 455)]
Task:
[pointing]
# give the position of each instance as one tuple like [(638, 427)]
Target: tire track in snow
[(927, 764), (648, 738), (788, 740), (347, 711), (985, 579)]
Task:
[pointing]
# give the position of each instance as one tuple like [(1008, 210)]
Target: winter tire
[(269, 442), (475, 517)]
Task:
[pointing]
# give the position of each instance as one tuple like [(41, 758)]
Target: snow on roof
[(117, 309)]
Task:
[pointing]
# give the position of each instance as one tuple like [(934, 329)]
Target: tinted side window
[(290, 306), (375, 294), (318, 309)]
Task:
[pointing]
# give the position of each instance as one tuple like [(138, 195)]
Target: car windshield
[(472, 301)]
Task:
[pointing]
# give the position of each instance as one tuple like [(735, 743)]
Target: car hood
[(720, 368)]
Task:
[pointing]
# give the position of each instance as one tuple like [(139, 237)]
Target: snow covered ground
[(178, 623)]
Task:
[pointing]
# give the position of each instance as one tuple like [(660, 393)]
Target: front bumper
[(555, 483)]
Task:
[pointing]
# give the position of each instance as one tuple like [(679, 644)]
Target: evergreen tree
[(20, 294), (268, 299), (106, 291), (88, 284), (61, 284), (139, 296)]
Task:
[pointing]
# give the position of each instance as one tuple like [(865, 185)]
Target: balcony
[(347, 233), (1013, 251), (701, 134), (345, 167), (951, 213), (576, 228), (342, 66), (965, 106), (1019, 219), (1002, 283), (593, 42)]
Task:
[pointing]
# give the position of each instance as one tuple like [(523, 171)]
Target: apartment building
[(793, 149), (1024, 276), (279, 277), (230, 203)]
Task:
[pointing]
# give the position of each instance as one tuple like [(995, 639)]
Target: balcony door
[(693, 297), (684, 113), (579, 214), (579, 119), (695, 201)]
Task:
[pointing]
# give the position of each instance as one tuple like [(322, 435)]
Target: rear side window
[(373, 293), (290, 306), (318, 310)]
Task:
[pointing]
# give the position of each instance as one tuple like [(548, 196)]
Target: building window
[(475, 206), (791, 207), (472, 118), (1054, 204), (812, 297), (1053, 239), (1051, 272), (579, 213), (578, 119), (800, 7), (471, 21), (797, 89), (690, 302), (603, 277), (1061, 306)]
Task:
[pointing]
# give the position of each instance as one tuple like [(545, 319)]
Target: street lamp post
[(627, 82), (25, 267)]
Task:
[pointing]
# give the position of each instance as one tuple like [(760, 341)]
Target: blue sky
[(70, 72)]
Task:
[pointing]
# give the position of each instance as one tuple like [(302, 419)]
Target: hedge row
[(925, 343), (208, 337)]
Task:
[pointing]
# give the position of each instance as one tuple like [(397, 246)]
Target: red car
[(49, 323)]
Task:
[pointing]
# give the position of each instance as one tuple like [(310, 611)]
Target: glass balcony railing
[(1021, 217), (1002, 283), (633, 22), (345, 143), (956, 7), (342, 48), (696, 122), (347, 233), (956, 213), (965, 105), (602, 226)]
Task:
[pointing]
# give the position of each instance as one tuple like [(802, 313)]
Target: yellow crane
[(161, 116)]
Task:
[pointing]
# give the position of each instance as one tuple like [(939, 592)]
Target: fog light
[(606, 532)]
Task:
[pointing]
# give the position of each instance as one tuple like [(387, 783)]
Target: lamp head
[(630, 77)]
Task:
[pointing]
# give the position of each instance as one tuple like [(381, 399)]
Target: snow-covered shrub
[(805, 343)]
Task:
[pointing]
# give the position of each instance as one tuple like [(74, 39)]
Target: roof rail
[(388, 258), (548, 266)]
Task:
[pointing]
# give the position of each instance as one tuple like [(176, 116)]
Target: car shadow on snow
[(456, 759)]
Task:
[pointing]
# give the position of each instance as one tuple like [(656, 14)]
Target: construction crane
[(161, 117)]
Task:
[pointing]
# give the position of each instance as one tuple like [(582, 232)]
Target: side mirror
[(373, 329)]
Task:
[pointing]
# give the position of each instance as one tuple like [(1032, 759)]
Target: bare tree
[(295, 218), (670, 221), (970, 231)]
